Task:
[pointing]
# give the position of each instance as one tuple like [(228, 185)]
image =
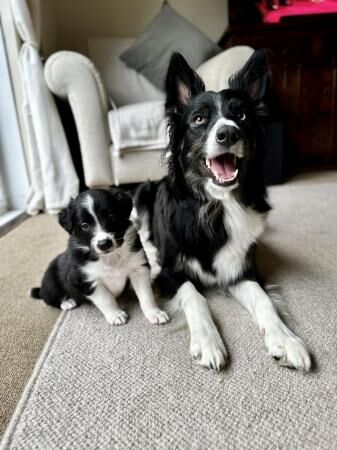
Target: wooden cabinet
[(303, 63)]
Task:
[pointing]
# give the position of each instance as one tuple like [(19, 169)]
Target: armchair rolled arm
[(73, 76)]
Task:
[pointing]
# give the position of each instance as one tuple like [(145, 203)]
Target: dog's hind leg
[(281, 342), (206, 346)]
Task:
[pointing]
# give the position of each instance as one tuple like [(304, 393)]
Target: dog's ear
[(253, 78), (65, 217), (124, 200), (182, 83)]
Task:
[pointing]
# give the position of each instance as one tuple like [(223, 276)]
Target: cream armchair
[(105, 161), (74, 77)]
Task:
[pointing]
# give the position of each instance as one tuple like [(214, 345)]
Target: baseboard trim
[(10, 220)]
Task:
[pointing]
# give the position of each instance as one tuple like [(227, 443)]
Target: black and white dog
[(200, 224), (104, 252)]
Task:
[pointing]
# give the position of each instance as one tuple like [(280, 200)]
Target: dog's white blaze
[(230, 123), (279, 340), (244, 226), (212, 147), (88, 204), (99, 234)]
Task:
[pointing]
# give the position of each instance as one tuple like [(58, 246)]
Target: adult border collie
[(200, 224)]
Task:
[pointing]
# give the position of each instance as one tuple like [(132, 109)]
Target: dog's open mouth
[(223, 169)]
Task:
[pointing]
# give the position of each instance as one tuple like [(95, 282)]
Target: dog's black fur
[(183, 218), (64, 277)]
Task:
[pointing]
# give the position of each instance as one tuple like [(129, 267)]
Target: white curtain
[(53, 177), (3, 203), (52, 174)]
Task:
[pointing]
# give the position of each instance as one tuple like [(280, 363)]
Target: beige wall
[(66, 24)]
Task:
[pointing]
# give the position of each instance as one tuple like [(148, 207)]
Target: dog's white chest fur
[(244, 226), (114, 269)]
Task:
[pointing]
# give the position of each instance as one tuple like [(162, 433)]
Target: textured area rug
[(25, 324), (100, 387)]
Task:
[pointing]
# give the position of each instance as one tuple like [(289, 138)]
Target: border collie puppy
[(104, 252), (199, 225)]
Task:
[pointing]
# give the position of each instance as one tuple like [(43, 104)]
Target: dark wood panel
[(303, 63)]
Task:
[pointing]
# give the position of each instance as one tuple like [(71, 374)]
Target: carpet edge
[(31, 382)]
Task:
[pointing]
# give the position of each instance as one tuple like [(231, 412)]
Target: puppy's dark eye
[(198, 119), (85, 226), (241, 116)]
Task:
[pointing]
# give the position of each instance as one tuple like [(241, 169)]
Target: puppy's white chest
[(114, 278), (113, 270), (109, 273)]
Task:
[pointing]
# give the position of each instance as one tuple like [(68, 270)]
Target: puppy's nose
[(227, 135), (104, 244)]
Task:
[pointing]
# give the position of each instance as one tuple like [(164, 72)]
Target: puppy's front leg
[(107, 304), (141, 283)]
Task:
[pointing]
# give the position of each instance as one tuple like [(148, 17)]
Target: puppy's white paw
[(68, 304), (287, 348), (118, 317), (209, 350), (157, 316)]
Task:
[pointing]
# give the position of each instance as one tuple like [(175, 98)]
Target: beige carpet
[(101, 387), (24, 325)]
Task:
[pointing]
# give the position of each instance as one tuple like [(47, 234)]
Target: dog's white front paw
[(118, 317), (68, 304), (287, 348), (208, 349), (157, 316)]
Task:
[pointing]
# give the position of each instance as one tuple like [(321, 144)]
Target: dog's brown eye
[(198, 119), (85, 226), (241, 116)]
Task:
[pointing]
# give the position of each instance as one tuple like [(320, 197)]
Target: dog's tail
[(35, 293)]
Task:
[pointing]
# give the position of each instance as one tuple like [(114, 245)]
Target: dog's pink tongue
[(223, 166)]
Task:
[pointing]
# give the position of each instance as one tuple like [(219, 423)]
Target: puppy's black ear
[(124, 200), (65, 217), (253, 78), (182, 83)]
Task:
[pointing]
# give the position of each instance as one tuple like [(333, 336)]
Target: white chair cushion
[(216, 71), (124, 85), (141, 125)]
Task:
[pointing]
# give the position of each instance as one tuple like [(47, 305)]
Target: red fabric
[(298, 8)]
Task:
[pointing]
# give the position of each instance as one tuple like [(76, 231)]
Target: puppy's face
[(98, 219), (213, 135)]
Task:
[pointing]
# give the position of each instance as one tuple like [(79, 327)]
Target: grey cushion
[(168, 32)]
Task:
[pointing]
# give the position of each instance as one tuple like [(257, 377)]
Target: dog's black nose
[(104, 244), (227, 135)]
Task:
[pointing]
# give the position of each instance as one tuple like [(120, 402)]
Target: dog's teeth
[(208, 164), (235, 173)]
